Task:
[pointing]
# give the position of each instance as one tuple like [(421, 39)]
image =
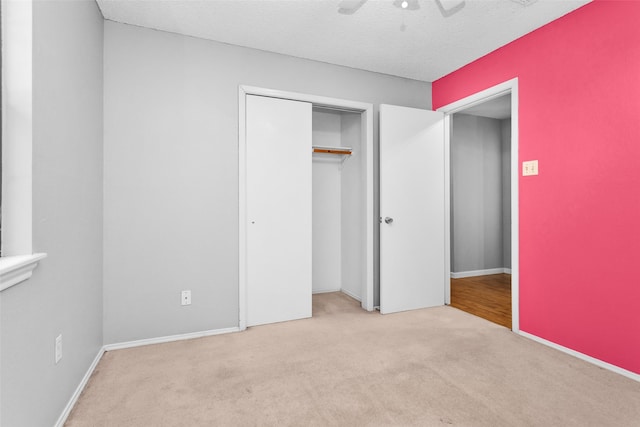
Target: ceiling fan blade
[(450, 7), (349, 7)]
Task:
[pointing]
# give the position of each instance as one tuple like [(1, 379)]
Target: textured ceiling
[(421, 44)]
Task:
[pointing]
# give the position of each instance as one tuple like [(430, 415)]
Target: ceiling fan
[(446, 7)]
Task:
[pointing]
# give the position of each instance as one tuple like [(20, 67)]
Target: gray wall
[(171, 170), (65, 293), (477, 188)]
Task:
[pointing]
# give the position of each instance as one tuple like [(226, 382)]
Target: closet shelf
[(344, 151)]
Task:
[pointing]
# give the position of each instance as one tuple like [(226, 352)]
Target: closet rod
[(346, 151)]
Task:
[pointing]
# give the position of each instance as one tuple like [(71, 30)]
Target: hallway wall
[(476, 194)]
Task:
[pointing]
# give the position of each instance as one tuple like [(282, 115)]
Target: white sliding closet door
[(279, 202)]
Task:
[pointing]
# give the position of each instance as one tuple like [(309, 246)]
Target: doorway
[(481, 211), (482, 201)]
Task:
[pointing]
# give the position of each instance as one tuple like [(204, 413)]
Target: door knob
[(388, 220)]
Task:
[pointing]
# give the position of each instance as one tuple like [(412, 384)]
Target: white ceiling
[(430, 46)]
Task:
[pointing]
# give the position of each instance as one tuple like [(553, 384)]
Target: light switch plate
[(530, 168)]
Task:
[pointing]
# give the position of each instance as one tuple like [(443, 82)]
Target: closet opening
[(339, 205), (480, 203)]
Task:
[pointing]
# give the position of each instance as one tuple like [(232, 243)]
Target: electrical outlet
[(530, 168), (186, 298), (58, 348)]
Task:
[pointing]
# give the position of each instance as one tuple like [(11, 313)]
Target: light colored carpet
[(347, 367)]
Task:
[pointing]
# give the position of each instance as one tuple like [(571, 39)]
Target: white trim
[(515, 208), (76, 394), (480, 97), (473, 273), (169, 338), (242, 209), (366, 110), (510, 86), (17, 127), (316, 100), (119, 346), (16, 269), (447, 209), (352, 295), (325, 291), (593, 360), (372, 220)]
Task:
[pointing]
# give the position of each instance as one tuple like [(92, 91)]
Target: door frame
[(508, 87), (366, 111)]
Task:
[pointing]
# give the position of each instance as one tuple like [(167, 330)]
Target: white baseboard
[(325, 291), (593, 360), (74, 398), (473, 273), (352, 295), (169, 338)]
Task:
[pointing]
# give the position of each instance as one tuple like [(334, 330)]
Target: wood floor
[(488, 297)]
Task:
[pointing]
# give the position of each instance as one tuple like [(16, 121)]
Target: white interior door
[(412, 207), (278, 147)]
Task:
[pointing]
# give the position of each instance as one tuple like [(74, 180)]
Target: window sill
[(16, 269)]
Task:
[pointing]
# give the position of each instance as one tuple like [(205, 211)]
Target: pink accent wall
[(579, 113)]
